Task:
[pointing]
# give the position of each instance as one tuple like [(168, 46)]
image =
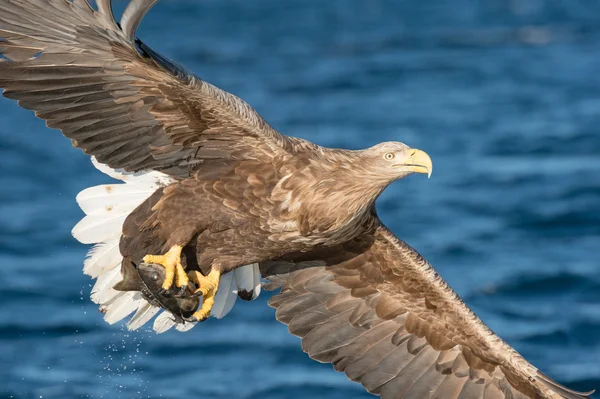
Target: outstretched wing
[(115, 97), (379, 312)]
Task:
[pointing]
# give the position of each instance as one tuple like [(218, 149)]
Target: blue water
[(503, 94)]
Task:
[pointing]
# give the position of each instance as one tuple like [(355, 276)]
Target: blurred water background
[(503, 94)]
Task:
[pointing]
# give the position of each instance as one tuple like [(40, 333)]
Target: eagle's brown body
[(253, 212), (209, 185)]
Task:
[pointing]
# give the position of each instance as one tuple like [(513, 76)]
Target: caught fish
[(147, 278)]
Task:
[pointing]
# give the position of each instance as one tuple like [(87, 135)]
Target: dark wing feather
[(379, 312), (115, 97)]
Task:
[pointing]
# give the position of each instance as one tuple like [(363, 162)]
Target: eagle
[(220, 200)]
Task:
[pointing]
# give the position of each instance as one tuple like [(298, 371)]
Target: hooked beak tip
[(419, 162)]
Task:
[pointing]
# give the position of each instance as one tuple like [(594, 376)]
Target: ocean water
[(503, 94)]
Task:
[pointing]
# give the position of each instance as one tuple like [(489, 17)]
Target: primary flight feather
[(219, 198)]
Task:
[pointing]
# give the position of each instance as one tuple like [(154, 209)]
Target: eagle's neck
[(331, 198), (346, 186)]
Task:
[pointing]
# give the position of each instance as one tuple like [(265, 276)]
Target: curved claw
[(170, 293), (207, 288), (181, 292)]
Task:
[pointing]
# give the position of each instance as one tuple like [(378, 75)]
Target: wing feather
[(133, 14), (115, 97), (379, 312)]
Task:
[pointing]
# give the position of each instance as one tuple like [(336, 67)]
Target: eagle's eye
[(389, 156)]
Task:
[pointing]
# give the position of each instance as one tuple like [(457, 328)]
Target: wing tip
[(105, 9), (133, 15), (563, 390)]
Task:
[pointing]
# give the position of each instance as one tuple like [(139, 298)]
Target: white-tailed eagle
[(220, 199)]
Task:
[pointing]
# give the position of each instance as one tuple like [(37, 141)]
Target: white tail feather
[(111, 198), (257, 282), (247, 278), (102, 292), (187, 326), (165, 321), (98, 228), (150, 179), (225, 297), (102, 258), (122, 306), (107, 207), (144, 314)]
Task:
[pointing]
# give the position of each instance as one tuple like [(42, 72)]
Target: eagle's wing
[(379, 312), (115, 97)]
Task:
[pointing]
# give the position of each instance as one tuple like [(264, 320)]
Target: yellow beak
[(418, 161)]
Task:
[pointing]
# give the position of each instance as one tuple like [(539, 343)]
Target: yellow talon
[(172, 263), (208, 287)]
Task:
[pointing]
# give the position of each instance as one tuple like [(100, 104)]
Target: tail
[(106, 208)]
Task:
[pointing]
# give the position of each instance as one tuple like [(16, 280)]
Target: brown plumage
[(231, 191)]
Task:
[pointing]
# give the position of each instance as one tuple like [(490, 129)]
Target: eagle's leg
[(208, 286), (174, 270)]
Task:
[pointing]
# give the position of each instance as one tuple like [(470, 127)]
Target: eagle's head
[(393, 160)]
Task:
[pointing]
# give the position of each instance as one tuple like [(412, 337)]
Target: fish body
[(147, 278)]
